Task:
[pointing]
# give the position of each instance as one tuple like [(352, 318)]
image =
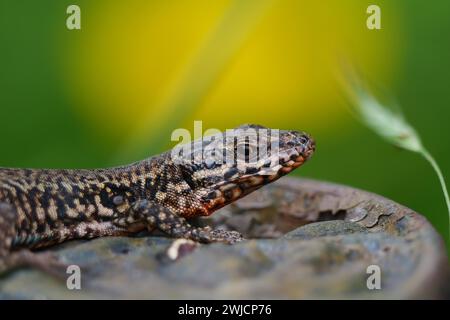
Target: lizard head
[(225, 167)]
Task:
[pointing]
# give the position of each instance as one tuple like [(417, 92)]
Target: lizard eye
[(118, 200)]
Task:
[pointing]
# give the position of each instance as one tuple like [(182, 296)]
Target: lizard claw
[(206, 235), (230, 237)]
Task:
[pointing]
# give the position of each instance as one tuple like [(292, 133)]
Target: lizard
[(44, 207)]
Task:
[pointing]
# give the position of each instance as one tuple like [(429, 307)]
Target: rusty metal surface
[(356, 223), (306, 239)]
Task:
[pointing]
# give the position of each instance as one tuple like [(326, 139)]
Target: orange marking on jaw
[(286, 169), (300, 159), (213, 205), (297, 164), (236, 193)]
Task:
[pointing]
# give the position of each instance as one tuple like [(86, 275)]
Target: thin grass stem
[(438, 171)]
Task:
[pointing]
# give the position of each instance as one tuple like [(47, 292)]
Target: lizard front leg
[(167, 221), (10, 259)]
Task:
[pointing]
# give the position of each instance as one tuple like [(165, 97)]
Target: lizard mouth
[(297, 156)]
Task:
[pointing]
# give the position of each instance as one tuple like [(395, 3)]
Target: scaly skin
[(39, 208)]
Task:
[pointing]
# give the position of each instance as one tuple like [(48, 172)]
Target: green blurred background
[(113, 91)]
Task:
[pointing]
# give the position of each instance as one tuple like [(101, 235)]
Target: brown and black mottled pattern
[(43, 207)]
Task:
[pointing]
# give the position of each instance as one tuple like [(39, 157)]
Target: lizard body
[(43, 207)]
